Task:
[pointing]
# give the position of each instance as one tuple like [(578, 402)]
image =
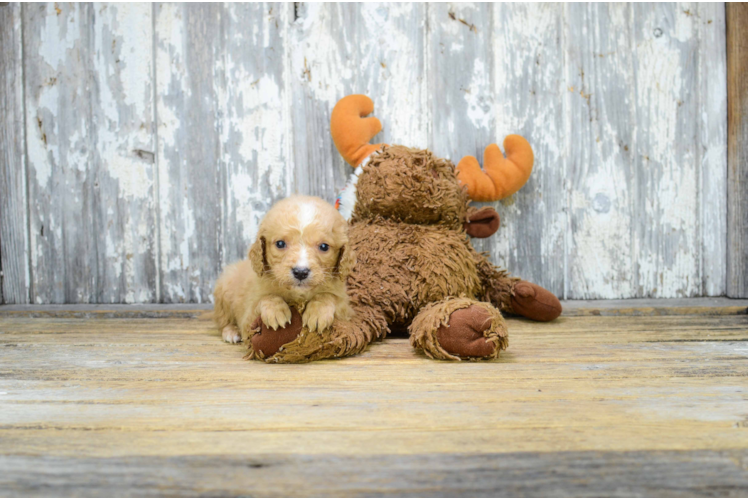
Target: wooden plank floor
[(113, 404)]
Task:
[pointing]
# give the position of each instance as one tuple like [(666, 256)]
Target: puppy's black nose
[(300, 273)]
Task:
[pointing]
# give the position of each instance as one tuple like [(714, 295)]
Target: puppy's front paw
[(275, 313), (231, 334), (318, 316)]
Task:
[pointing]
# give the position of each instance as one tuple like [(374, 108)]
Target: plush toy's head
[(412, 186)]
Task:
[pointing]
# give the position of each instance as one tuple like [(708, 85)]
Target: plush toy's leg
[(459, 328), (344, 338), (515, 296), (497, 284), (534, 302)]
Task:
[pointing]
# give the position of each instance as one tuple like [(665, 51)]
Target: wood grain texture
[(705, 306), (646, 215), (709, 306), (123, 157), (461, 81), (463, 120), (632, 404), (223, 136), (254, 119), (600, 170), (157, 139), (737, 145), (665, 154), (701, 473), (89, 123), (61, 181), (529, 94), (190, 181), (712, 142), (341, 49), (14, 245)]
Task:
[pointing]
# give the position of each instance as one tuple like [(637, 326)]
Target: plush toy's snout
[(481, 223)]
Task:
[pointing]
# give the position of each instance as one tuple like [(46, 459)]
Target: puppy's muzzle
[(301, 273)]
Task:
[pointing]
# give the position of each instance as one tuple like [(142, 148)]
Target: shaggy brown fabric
[(535, 302), (345, 338), (497, 284), (403, 267), (412, 186), (415, 267), (413, 252)]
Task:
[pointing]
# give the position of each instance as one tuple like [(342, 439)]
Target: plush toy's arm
[(513, 295), (345, 338), (497, 284)]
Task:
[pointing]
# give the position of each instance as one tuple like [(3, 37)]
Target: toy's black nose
[(300, 273)]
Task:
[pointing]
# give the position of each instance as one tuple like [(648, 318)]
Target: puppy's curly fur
[(301, 258)]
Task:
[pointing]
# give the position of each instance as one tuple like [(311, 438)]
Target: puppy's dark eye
[(324, 247), (280, 244)]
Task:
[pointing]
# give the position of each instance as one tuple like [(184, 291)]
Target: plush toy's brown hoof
[(458, 328), (464, 335), (267, 341), (535, 302)]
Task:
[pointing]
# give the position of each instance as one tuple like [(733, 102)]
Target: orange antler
[(502, 176), (351, 130)]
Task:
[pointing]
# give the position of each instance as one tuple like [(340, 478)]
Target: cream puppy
[(300, 258)]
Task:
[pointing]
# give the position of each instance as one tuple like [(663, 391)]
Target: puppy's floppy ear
[(346, 261), (257, 256)]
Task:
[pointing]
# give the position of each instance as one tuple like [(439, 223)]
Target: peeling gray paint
[(156, 137), (14, 244)]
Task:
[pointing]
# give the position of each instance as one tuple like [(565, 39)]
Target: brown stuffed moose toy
[(416, 269)]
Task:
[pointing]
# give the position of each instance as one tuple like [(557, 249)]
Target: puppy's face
[(302, 244)]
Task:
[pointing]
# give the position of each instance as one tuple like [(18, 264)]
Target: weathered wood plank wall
[(14, 245), (143, 143), (90, 140), (737, 195)]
